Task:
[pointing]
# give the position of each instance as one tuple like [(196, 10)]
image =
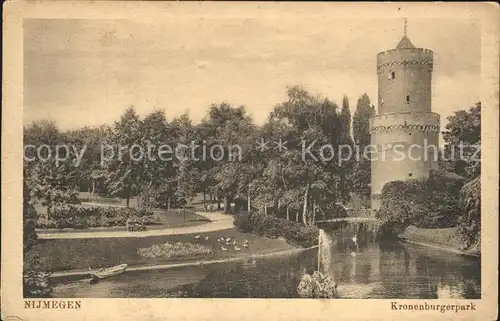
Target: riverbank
[(444, 239), (58, 255), (79, 274)]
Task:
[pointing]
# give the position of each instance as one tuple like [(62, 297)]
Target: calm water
[(362, 269)]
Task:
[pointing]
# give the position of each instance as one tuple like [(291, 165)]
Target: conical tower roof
[(405, 43)]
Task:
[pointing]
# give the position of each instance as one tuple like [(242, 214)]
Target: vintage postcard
[(237, 161)]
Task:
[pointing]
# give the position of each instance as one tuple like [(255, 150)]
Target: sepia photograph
[(244, 154)]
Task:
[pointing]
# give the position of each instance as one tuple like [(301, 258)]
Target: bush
[(317, 286), (243, 223), (35, 281), (430, 203), (135, 224), (271, 226), (85, 217)]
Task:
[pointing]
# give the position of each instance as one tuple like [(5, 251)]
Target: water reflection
[(362, 268), (366, 268)]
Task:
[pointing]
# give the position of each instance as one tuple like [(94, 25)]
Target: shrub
[(35, 281), (84, 217), (30, 221), (135, 224), (243, 223), (429, 203), (271, 226), (317, 285)]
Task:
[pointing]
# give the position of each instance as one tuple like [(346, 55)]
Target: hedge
[(274, 227), (84, 217), (429, 203)]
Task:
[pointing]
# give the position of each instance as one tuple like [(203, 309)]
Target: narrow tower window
[(382, 100), (407, 99), (392, 75)]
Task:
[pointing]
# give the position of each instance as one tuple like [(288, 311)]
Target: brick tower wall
[(412, 71), (401, 122)]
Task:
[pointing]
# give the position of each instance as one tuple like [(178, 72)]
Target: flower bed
[(85, 217), (175, 250), (274, 227)]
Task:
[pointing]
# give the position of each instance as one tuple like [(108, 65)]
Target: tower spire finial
[(406, 26)]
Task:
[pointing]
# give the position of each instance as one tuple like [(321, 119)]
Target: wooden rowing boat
[(104, 273)]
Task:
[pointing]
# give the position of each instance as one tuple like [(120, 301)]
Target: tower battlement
[(424, 121), (394, 58)]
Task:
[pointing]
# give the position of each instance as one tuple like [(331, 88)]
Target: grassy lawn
[(76, 254), (85, 197), (439, 236), (179, 219)]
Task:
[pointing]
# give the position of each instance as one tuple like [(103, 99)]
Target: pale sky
[(87, 72)]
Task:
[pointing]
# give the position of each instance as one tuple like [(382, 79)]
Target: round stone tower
[(405, 133)]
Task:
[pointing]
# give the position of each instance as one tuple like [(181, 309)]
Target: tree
[(348, 165), (186, 173), (462, 152), (230, 130), (462, 136), (315, 122), (125, 170), (469, 229), (362, 138), (361, 121), (53, 181), (158, 165), (91, 140), (345, 118)]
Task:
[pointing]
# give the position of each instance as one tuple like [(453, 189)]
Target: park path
[(218, 222)]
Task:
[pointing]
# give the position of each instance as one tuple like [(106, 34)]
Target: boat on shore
[(104, 273)]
